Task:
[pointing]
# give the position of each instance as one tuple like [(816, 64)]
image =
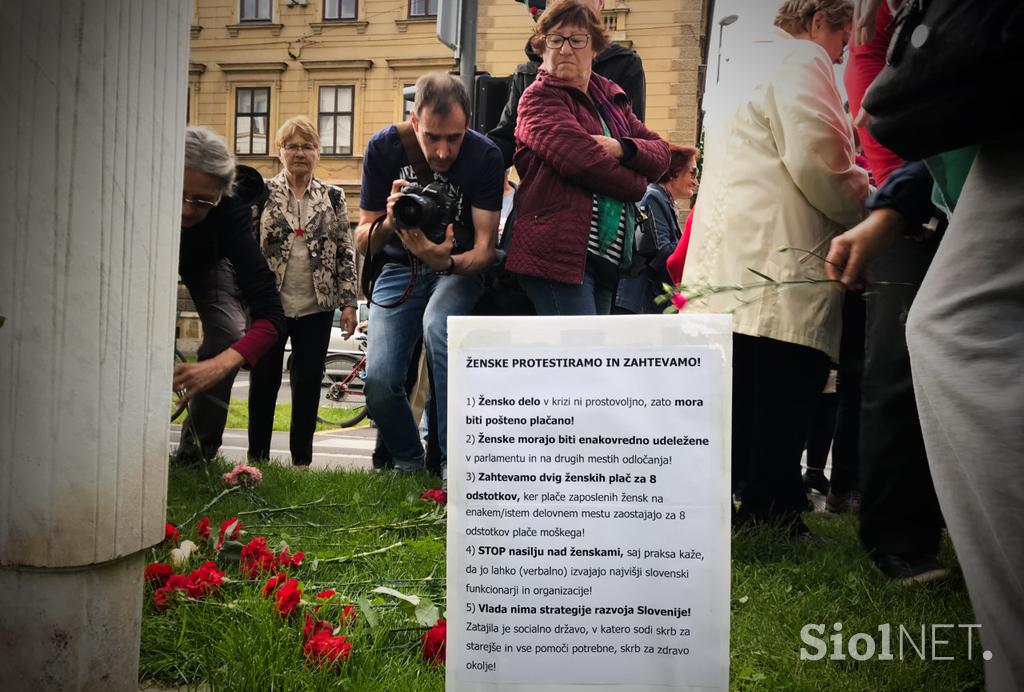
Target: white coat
[(778, 172)]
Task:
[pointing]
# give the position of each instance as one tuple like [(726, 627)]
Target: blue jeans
[(393, 334), (555, 298)]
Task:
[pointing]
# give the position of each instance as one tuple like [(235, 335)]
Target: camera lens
[(409, 211)]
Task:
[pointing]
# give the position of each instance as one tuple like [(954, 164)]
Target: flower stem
[(346, 558), (211, 503)]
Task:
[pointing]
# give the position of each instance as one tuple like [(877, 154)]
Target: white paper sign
[(588, 530)]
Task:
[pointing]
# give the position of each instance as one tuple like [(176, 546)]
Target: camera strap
[(374, 265), (424, 176)]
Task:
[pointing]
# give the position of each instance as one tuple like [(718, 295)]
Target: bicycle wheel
[(176, 411), (342, 400)]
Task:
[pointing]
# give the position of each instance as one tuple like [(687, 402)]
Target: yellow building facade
[(344, 63)]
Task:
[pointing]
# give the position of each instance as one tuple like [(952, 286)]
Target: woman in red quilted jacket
[(583, 159)]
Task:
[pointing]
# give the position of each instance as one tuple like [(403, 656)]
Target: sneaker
[(910, 568), (814, 480), (848, 503)]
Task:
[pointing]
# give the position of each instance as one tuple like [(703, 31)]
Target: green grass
[(778, 586), (235, 641)]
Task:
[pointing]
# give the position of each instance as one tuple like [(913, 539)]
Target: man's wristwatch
[(450, 270)]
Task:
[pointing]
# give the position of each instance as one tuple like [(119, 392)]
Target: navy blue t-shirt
[(476, 177)]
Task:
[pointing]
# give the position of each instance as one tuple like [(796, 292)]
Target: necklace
[(301, 203)]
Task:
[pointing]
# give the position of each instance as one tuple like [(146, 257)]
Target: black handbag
[(949, 76), (645, 238)]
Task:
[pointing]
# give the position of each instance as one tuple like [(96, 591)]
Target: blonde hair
[(794, 16), (299, 125)]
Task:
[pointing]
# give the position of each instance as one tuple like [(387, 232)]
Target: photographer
[(426, 276)]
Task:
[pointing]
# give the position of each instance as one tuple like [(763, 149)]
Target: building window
[(254, 11), (422, 8), (408, 98), (252, 114), (335, 123), (339, 9)]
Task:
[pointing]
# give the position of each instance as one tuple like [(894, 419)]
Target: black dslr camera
[(430, 208)]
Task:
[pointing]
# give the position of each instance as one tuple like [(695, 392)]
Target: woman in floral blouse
[(305, 236)]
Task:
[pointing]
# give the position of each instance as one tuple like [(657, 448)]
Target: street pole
[(722, 23), (467, 52)]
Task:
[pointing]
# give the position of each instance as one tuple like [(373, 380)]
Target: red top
[(866, 61), (677, 260)]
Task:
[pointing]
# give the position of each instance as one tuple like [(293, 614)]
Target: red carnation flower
[(177, 581), (203, 528), (171, 533), (326, 594), (434, 642), (287, 597), (315, 628), (229, 530), (348, 616), (256, 559), (158, 573), (438, 495), (287, 560), (324, 649), (162, 597), (273, 583), (210, 573)]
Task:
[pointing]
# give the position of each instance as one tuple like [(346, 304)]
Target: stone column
[(92, 107)]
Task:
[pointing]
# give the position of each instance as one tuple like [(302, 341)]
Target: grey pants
[(966, 340), (218, 302)]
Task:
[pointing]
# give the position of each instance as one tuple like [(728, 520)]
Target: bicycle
[(343, 404)]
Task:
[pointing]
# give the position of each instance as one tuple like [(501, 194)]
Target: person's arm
[(813, 136), (864, 13), (652, 154), (345, 265), (634, 83), (665, 223), (503, 134), (378, 186), (903, 202), (549, 130), (258, 287)]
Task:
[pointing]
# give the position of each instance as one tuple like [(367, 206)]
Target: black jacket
[(621, 65), (226, 232)]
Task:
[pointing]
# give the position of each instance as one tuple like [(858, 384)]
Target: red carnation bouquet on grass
[(327, 621)]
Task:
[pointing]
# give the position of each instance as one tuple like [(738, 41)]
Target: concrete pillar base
[(71, 629)]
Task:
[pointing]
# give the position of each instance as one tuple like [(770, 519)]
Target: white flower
[(183, 552)]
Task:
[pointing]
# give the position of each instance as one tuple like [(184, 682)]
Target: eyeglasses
[(693, 171), (576, 41), (204, 204), (306, 147)]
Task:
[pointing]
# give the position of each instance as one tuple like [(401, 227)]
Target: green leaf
[(427, 613), (367, 610), (411, 599), (230, 552), (763, 276)]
